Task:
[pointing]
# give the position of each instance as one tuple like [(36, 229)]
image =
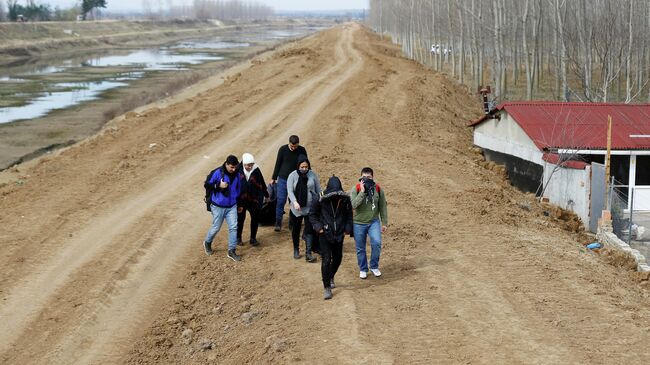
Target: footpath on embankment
[(102, 262)]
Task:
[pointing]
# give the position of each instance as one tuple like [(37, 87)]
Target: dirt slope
[(102, 261)]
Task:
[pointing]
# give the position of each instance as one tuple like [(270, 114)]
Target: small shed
[(552, 149)]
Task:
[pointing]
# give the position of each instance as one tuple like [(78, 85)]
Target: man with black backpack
[(222, 188)]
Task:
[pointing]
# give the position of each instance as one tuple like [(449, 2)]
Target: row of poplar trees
[(569, 50)]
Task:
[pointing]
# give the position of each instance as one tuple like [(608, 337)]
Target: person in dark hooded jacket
[(251, 197), (331, 218)]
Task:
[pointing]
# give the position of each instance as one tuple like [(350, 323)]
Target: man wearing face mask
[(251, 198), (370, 219), (303, 187), (285, 163)]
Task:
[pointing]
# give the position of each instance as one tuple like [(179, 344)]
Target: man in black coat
[(285, 163), (331, 217)]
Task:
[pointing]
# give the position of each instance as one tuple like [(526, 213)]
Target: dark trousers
[(296, 225), (331, 253), (254, 210), (281, 195)]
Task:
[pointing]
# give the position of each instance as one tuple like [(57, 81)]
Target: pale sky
[(276, 4)]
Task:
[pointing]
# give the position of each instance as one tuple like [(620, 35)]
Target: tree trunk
[(628, 58), (461, 65), (561, 49), (449, 47)]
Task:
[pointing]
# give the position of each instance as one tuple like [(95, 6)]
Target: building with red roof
[(558, 149)]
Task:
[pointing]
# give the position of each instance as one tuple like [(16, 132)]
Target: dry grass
[(169, 88)]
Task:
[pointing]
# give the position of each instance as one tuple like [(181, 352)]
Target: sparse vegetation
[(575, 50), (170, 87)]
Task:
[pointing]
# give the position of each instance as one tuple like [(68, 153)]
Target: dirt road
[(102, 259)]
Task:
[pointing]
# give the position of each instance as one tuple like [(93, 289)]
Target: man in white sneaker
[(370, 219)]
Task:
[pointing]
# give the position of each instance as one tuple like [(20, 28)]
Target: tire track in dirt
[(24, 306), (469, 275)]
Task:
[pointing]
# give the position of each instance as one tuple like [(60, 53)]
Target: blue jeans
[(218, 215), (282, 199), (373, 230)]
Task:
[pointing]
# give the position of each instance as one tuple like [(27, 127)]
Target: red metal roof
[(552, 124), (554, 158)]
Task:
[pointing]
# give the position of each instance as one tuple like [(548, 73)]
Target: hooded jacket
[(254, 189), (313, 187), (225, 198), (332, 212)]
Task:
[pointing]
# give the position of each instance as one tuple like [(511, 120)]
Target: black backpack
[(209, 189), (267, 213)]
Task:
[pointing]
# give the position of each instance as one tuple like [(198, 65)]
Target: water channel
[(36, 87)]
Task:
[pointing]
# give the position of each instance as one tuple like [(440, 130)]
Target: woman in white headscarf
[(251, 198)]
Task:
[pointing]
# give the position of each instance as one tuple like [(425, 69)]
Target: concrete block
[(606, 215)]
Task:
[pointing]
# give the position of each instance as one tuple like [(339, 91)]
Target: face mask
[(303, 171)]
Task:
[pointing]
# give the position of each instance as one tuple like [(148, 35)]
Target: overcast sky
[(276, 4)]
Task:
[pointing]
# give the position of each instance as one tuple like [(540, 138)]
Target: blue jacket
[(227, 197)]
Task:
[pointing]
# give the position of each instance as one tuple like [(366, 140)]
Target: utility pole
[(608, 158)]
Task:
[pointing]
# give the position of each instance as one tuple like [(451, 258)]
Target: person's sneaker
[(208, 248), (363, 274), (376, 272), (233, 255), (240, 242), (332, 285), (309, 257), (296, 254), (278, 227), (327, 294), (254, 242)]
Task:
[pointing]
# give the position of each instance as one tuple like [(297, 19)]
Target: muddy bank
[(24, 140), (28, 40)]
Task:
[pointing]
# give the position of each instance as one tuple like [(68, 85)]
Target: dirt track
[(102, 259)]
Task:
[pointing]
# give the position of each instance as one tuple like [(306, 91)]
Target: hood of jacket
[(334, 188)]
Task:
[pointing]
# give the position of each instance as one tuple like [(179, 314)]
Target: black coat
[(333, 214), (253, 190)]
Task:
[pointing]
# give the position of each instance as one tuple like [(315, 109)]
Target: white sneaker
[(363, 274), (376, 272)]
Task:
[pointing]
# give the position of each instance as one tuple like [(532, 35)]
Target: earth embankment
[(25, 40), (107, 266)]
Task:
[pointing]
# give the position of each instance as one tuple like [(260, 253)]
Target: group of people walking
[(323, 217)]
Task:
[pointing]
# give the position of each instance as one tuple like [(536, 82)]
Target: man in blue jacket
[(226, 184)]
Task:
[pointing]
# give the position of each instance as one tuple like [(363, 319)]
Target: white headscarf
[(245, 160)]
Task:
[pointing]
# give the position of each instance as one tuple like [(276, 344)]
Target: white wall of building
[(569, 189), (506, 136)]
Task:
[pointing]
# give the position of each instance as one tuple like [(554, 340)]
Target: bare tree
[(565, 133), (3, 16), (147, 9), (628, 58), (596, 50)]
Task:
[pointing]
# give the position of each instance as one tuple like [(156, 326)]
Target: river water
[(36, 87)]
